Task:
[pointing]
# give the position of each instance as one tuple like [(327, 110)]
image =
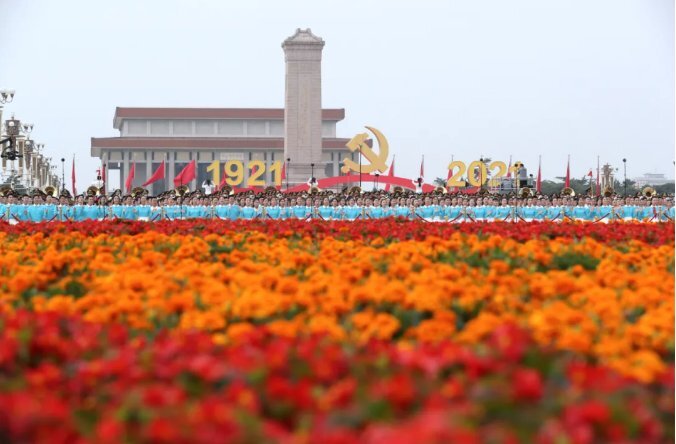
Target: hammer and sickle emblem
[(377, 160)]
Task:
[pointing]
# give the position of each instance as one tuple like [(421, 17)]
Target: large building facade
[(249, 145)]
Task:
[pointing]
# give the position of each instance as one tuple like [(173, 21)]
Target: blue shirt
[(248, 212), (326, 212), (375, 212), (273, 212)]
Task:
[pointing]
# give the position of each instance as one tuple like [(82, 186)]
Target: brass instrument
[(5, 190), (648, 192), (355, 190), (65, 193), (227, 190), (93, 190), (608, 191), (440, 190), (526, 192), (314, 190), (568, 192), (181, 190), (136, 192), (51, 191), (398, 189), (270, 190)]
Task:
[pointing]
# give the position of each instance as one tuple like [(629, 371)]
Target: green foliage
[(568, 260)]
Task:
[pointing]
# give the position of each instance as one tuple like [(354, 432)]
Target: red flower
[(527, 385)]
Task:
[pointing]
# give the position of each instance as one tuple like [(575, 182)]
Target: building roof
[(199, 143), (121, 113)]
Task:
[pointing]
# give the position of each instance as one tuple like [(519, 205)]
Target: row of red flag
[(189, 173), (186, 175)]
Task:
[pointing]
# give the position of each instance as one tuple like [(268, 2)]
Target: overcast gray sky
[(439, 78)]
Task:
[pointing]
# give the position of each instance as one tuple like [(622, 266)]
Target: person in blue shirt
[(351, 211), (299, 211), (91, 211), (581, 211), (402, 209), (235, 209), (555, 211), (247, 211), (273, 211), (453, 212), (502, 212), (374, 210), (325, 211), (35, 210), (388, 211)]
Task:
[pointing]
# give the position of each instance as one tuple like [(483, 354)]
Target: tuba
[(608, 191), (314, 190), (5, 190), (181, 190), (51, 191), (93, 190), (440, 190), (568, 192), (138, 191), (526, 192), (648, 192), (355, 190), (226, 190)]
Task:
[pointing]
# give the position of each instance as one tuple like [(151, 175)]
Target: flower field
[(316, 332)]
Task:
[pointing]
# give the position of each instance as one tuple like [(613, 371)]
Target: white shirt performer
[(208, 187)]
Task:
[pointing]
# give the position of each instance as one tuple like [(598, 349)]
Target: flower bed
[(393, 331)]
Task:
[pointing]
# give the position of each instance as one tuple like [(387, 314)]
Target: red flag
[(157, 175), (73, 177), (567, 184), (225, 177), (130, 178), (590, 173), (186, 175), (509, 168), (283, 171), (103, 176), (390, 174), (538, 184), (422, 167)]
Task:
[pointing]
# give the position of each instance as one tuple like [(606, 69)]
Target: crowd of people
[(433, 207)]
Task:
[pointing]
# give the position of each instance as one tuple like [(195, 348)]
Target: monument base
[(300, 173)]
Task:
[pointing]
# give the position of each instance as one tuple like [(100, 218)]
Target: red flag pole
[(567, 185)]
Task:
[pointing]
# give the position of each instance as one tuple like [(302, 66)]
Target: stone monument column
[(303, 105)]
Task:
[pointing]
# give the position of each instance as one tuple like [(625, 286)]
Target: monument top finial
[(303, 37)]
